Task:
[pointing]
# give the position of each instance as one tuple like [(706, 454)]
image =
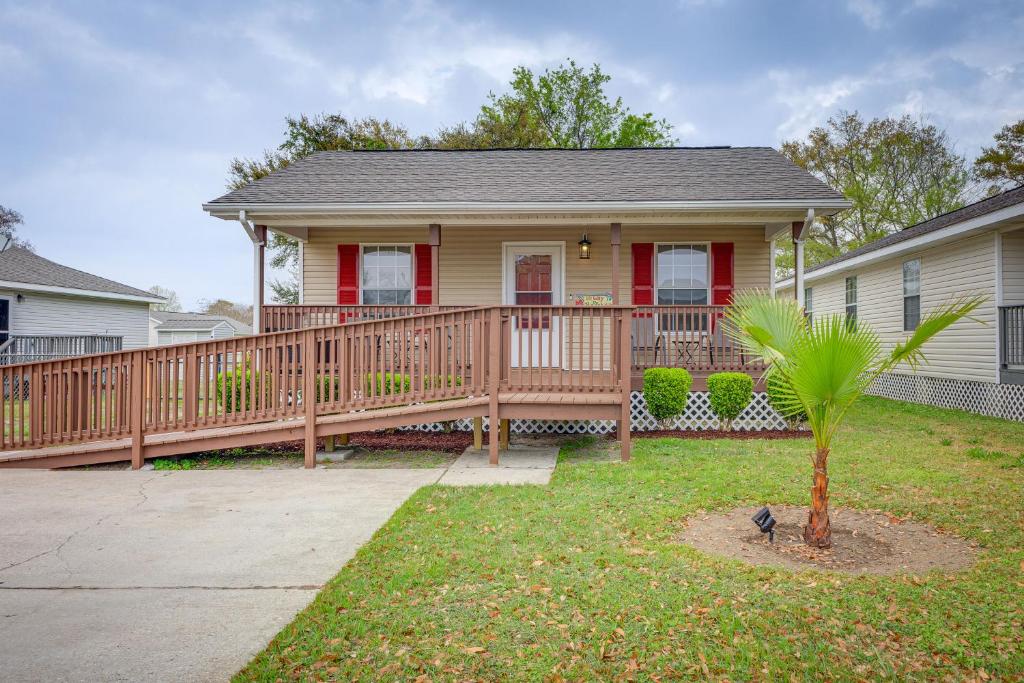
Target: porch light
[(765, 522), (584, 247)]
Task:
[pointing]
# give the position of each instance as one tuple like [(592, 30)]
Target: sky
[(118, 120)]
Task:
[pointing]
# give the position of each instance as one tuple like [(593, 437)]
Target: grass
[(585, 580)]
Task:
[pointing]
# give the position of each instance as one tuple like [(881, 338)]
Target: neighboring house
[(383, 232), (48, 310), (168, 327), (893, 282)]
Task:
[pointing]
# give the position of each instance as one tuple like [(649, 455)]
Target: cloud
[(871, 12)]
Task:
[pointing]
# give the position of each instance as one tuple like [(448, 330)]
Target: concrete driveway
[(172, 576)]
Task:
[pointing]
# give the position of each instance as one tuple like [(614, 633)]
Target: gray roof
[(176, 320), (535, 175), (23, 266), (989, 205)]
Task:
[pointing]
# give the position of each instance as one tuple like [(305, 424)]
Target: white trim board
[(71, 291)]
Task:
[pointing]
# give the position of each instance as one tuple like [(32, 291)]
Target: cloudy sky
[(119, 119)]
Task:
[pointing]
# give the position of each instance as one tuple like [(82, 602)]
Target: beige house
[(976, 365)]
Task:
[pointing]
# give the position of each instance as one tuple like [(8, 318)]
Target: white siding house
[(976, 364), (48, 309), (168, 327)]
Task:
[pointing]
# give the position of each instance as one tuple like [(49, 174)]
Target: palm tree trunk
[(818, 532)]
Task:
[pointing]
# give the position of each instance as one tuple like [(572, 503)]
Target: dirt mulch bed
[(862, 542), (452, 442), (719, 434)]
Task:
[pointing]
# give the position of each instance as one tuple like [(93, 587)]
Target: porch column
[(616, 243), (434, 240), (259, 258), (798, 256)]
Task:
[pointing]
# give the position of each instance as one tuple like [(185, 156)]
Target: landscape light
[(765, 522)]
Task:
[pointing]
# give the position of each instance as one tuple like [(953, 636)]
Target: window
[(387, 274), (911, 294), (682, 274), (809, 303), (851, 300)]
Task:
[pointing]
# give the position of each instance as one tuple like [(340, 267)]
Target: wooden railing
[(25, 348), (281, 318), (690, 337), (1011, 336)]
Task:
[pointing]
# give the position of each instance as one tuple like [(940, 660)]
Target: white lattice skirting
[(757, 416), (998, 400)]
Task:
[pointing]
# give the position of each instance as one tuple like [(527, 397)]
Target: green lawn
[(584, 579)]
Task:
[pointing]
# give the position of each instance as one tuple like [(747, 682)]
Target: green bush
[(327, 388), (229, 397), (436, 380), (387, 383), (729, 393), (666, 391), (773, 388)]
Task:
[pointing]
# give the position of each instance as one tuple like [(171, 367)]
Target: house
[(528, 287), (892, 282), (167, 327), (48, 310)]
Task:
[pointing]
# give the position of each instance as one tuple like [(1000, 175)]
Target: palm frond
[(763, 325), (910, 351)]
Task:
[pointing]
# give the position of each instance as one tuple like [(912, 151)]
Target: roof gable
[(21, 266)]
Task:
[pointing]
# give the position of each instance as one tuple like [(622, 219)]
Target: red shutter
[(348, 274), (423, 274), (721, 273), (643, 273)]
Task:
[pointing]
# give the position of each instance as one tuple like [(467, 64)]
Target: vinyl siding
[(55, 314), (470, 257), (1013, 268), (967, 350)]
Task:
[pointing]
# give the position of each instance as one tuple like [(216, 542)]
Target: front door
[(533, 277)]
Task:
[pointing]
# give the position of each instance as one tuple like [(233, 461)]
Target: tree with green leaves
[(229, 309), (896, 171), (9, 222), (1002, 165), (563, 107), (820, 369)]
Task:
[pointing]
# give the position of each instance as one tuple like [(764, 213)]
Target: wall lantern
[(584, 247)]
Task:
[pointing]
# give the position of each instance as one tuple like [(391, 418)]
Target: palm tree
[(824, 368)]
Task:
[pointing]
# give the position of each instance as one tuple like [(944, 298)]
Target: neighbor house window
[(682, 277), (386, 274), (809, 303), (911, 294), (851, 300)]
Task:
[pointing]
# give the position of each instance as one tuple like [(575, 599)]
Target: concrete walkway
[(185, 575), (172, 576)]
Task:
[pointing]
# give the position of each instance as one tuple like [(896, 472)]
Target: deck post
[(309, 395), (259, 277), (329, 443), (494, 362), (435, 251), (504, 426), (342, 439), (137, 408), (624, 425), (616, 241), (478, 433)]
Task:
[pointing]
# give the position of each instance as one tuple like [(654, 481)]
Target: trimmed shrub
[(229, 389), (387, 383), (431, 381), (729, 393), (666, 391), (772, 388), (327, 388)]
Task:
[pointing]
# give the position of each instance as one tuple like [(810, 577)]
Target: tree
[(897, 172), (9, 222), (172, 303), (229, 309), (565, 107), (820, 369), (1003, 165)]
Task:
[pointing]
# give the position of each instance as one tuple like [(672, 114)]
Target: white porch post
[(771, 268)]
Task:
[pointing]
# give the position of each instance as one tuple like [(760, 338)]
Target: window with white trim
[(809, 303), (911, 294), (851, 300), (682, 274), (386, 276)]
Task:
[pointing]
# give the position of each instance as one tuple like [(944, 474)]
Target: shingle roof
[(175, 320), (536, 175), (985, 206), (23, 266)]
